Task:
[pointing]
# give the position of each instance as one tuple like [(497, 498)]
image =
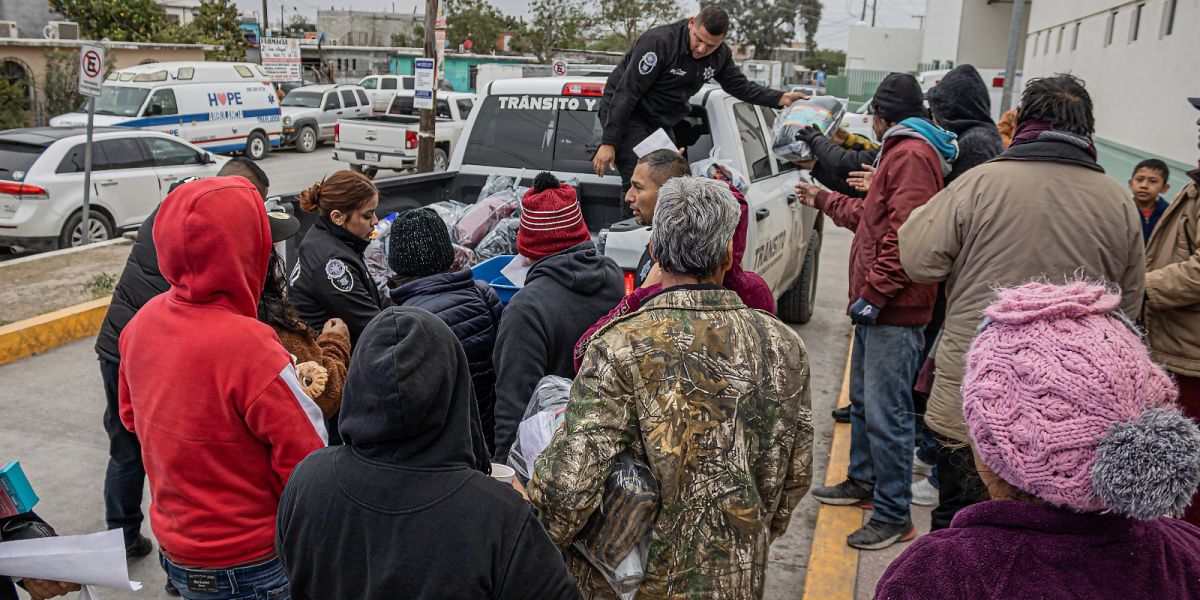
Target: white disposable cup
[(504, 473)]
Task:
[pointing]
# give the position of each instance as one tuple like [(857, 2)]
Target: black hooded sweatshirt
[(961, 103), (405, 509), (564, 295)]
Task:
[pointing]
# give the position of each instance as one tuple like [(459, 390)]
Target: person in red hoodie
[(213, 396), (889, 310)]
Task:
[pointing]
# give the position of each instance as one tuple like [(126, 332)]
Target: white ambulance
[(221, 107)]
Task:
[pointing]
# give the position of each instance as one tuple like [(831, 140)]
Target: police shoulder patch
[(341, 277), (648, 62)]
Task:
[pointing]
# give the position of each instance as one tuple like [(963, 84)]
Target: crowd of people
[(1025, 332)]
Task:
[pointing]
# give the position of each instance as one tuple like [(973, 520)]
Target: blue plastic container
[(489, 271)]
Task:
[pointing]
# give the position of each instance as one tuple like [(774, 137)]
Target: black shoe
[(877, 535), (841, 415), (171, 591), (140, 547), (845, 493)]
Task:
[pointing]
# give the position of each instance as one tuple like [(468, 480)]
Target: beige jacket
[(1007, 222), (1172, 311)]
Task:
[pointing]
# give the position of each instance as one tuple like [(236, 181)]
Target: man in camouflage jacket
[(713, 396)]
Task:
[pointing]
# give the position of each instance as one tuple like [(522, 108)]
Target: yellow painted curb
[(833, 565), (51, 330)]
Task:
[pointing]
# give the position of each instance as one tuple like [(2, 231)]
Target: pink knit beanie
[(1063, 402)]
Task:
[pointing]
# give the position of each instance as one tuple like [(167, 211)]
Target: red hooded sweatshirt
[(207, 388)]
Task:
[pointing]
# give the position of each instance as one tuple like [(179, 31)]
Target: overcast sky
[(838, 16)]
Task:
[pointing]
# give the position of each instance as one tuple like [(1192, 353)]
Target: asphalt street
[(51, 407)]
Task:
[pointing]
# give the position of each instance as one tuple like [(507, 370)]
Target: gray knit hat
[(419, 244)]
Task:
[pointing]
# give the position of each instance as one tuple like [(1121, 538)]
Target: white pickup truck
[(389, 141), (522, 126)]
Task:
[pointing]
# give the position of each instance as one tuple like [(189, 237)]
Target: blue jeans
[(263, 581), (125, 477), (882, 367)]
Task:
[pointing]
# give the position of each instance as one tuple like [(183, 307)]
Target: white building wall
[(983, 34), (943, 19), (1139, 88), (884, 48)]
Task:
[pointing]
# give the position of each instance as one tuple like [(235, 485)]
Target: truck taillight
[(337, 132), (630, 282), (23, 191), (583, 89), (410, 140), (998, 81)]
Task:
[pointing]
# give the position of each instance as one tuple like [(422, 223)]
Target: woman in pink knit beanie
[(1077, 435)]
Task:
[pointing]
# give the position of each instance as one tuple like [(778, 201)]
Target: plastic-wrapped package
[(493, 184), (375, 256), (464, 258), (543, 416), (481, 217), (721, 169), (616, 538), (502, 239), (825, 112), (450, 211)]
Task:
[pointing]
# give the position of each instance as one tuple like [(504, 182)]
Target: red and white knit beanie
[(551, 220)]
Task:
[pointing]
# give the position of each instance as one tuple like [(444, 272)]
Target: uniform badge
[(648, 62), (709, 72), (339, 275)]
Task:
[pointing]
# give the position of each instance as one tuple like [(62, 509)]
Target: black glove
[(808, 134)]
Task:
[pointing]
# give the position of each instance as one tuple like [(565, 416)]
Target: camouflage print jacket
[(714, 397)]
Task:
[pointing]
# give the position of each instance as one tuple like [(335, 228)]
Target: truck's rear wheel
[(257, 146), (306, 141), (796, 305)]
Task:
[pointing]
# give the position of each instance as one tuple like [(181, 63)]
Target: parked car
[(310, 112), (860, 122), (41, 181), (221, 107), (389, 141), (382, 88), (519, 127)]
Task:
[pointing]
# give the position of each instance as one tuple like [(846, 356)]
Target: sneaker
[(846, 493), (924, 494), (921, 467), (171, 589), (841, 415), (140, 547), (877, 535)]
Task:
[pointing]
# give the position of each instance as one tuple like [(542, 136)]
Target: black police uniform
[(651, 87)]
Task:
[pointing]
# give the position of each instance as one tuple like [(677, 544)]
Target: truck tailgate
[(359, 134)]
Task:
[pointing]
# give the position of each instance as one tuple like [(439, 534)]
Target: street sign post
[(91, 82)]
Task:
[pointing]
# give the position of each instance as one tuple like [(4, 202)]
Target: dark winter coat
[(563, 295), (962, 104), (472, 310), (405, 509), (835, 163), (330, 280), (140, 281)]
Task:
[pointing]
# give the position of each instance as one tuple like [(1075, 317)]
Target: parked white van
[(221, 107)]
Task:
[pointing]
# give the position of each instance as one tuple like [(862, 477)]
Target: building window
[(1075, 37), (1108, 29), (1062, 32), (1168, 25), (1136, 22)]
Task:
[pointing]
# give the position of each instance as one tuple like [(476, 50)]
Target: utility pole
[(1014, 45), (425, 137), (265, 23), (282, 9)]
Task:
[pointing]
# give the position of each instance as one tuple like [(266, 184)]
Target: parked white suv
[(41, 181), (382, 88), (310, 112)]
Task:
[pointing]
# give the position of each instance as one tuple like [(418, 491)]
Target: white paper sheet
[(659, 140), (516, 270), (95, 559)]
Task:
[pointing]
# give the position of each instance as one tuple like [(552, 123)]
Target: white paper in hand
[(659, 140), (95, 559), (516, 270)]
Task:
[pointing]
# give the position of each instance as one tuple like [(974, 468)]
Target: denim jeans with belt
[(882, 367), (263, 581)]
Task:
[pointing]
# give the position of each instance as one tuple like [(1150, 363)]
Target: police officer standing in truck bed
[(651, 87)]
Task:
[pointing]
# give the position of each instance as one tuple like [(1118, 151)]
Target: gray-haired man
[(712, 395)]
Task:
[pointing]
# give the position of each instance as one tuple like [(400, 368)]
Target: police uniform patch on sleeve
[(648, 62), (341, 277)]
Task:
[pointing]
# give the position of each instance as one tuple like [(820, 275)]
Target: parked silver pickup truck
[(389, 141), (310, 112)]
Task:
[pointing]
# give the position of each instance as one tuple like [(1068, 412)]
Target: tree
[(14, 104), (298, 25), (478, 21), (631, 18), (554, 24), (216, 23), (60, 91), (831, 60), (810, 20), (416, 40), (126, 20), (763, 24)]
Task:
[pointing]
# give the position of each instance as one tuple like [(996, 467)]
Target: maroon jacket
[(909, 174)]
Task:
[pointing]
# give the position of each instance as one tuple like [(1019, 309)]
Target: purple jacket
[(1011, 549)]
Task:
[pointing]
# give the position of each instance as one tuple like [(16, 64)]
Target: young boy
[(1148, 185)]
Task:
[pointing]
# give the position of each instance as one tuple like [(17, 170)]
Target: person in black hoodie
[(406, 508), (422, 256), (834, 164), (125, 478), (568, 288), (960, 103)]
